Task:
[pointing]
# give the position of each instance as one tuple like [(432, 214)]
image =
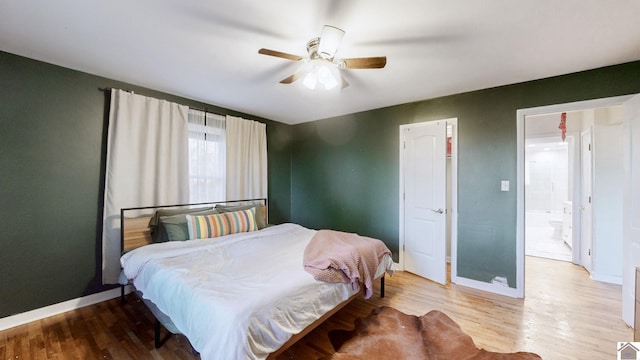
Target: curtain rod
[(131, 92), (109, 89)]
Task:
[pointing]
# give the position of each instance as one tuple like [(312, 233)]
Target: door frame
[(520, 116), (586, 228), (630, 212), (453, 184)]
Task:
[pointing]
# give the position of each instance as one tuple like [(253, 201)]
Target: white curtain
[(147, 144), (207, 157), (246, 159)]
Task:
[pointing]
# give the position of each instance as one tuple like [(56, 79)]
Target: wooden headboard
[(136, 232), (134, 222)]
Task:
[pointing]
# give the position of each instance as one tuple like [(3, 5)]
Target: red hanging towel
[(563, 125)]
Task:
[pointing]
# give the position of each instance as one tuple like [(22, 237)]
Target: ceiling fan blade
[(280, 54), (290, 79), (365, 63), (345, 83)]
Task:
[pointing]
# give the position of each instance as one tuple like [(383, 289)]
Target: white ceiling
[(208, 50)]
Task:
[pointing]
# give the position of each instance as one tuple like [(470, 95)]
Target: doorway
[(548, 190), (603, 117), (428, 198)]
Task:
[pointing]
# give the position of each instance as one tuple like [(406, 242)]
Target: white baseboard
[(488, 287), (611, 279), (55, 309)]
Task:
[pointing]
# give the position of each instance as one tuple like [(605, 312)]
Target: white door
[(424, 184), (586, 200), (631, 206)]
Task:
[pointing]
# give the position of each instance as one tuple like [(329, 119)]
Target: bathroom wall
[(546, 175), (542, 131)]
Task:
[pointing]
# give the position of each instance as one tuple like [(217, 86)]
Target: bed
[(243, 295)]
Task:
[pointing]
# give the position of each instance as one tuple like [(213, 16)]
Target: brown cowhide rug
[(390, 334)]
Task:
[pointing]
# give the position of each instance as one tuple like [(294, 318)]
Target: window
[(207, 154)]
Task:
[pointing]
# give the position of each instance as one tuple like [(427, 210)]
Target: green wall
[(345, 169), (52, 136), (339, 173)]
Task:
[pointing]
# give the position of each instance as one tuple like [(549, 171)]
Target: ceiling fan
[(321, 69)]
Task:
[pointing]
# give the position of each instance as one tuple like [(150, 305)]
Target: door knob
[(439, 211)]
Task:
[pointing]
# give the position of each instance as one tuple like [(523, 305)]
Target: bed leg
[(156, 335), (382, 286), (122, 295)]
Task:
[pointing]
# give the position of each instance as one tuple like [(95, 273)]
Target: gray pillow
[(174, 227), (260, 221), (168, 212)]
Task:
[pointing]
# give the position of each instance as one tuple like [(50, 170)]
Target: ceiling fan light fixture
[(310, 81), (329, 41), (327, 77), (321, 75), (320, 70)]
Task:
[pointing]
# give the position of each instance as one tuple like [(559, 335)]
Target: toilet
[(556, 224)]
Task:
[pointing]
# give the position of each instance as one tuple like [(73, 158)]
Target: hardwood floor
[(564, 315)]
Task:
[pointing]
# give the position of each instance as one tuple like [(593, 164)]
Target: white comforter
[(235, 297)]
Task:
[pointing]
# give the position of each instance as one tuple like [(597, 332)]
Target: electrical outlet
[(504, 185)]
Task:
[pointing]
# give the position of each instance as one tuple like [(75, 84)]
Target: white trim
[(454, 193), (55, 309), (488, 287), (520, 146), (454, 200), (610, 279), (401, 198), (520, 115)]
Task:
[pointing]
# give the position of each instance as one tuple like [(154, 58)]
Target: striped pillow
[(214, 225)]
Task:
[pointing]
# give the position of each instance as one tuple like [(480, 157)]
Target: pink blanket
[(336, 256)]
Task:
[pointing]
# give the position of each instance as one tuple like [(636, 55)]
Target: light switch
[(504, 186)]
